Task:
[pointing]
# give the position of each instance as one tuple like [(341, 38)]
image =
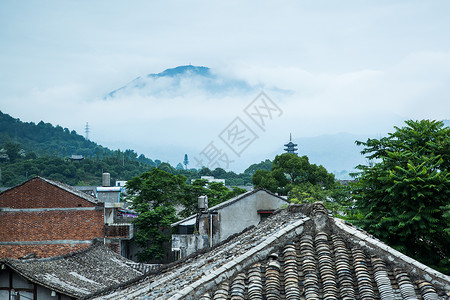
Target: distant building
[(217, 223), (291, 147), (210, 179), (121, 183), (76, 157), (48, 218)]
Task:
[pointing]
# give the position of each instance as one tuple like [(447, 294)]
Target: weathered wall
[(39, 217), (189, 243), (37, 193), (50, 225), (244, 213)]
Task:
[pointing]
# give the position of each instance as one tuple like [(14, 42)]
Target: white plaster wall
[(244, 213)]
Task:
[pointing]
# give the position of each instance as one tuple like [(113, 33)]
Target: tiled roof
[(81, 273), (298, 253)]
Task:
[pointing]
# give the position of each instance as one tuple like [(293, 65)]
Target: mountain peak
[(182, 80), (181, 70)]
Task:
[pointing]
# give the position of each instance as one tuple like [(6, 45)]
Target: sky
[(327, 67)]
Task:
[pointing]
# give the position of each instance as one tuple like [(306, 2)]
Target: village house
[(46, 218), (71, 276), (298, 253), (215, 224)]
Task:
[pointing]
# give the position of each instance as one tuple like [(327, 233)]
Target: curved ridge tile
[(343, 268), (290, 271), (326, 267), (309, 267), (273, 282), (363, 278)]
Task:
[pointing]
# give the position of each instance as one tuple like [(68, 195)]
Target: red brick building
[(48, 218)]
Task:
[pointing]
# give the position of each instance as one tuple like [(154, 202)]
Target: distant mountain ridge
[(183, 79), (44, 139)]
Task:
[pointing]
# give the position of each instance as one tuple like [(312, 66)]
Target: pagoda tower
[(290, 147)]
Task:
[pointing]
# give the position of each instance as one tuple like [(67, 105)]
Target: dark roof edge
[(10, 262), (392, 256), (245, 260), (163, 267)]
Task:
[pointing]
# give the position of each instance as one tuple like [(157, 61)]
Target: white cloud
[(358, 67)]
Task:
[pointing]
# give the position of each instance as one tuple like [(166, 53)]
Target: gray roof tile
[(291, 256), (80, 273)]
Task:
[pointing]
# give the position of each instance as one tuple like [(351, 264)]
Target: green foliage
[(150, 233), (84, 172), (155, 188), (155, 194), (303, 182), (335, 199), (264, 179), (216, 192), (264, 165), (44, 139), (403, 196), (289, 170)]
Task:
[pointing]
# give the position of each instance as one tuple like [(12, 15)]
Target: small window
[(264, 214)]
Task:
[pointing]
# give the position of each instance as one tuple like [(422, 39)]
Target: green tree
[(289, 170), (216, 192), (152, 232), (263, 165), (155, 195), (264, 179), (402, 197)]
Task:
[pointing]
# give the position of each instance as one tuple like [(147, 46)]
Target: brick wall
[(51, 225), (63, 224), (118, 231), (37, 193)]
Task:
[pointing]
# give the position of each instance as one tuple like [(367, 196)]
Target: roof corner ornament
[(319, 214)]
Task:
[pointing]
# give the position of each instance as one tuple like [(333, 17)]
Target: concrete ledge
[(7, 209)]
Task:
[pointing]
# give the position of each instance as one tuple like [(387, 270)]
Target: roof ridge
[(69, 189)]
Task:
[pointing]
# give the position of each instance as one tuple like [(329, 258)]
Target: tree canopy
[(302, 182), (289, 170), (402, 196), (156, 194)]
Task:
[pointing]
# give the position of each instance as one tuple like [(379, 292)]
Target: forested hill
[(44, 139), (29, 149)]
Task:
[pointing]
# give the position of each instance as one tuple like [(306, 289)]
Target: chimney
[(106, 179)]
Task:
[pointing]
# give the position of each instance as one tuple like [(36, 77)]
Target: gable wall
[(38, 193), (244, 213), (38, 217)]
